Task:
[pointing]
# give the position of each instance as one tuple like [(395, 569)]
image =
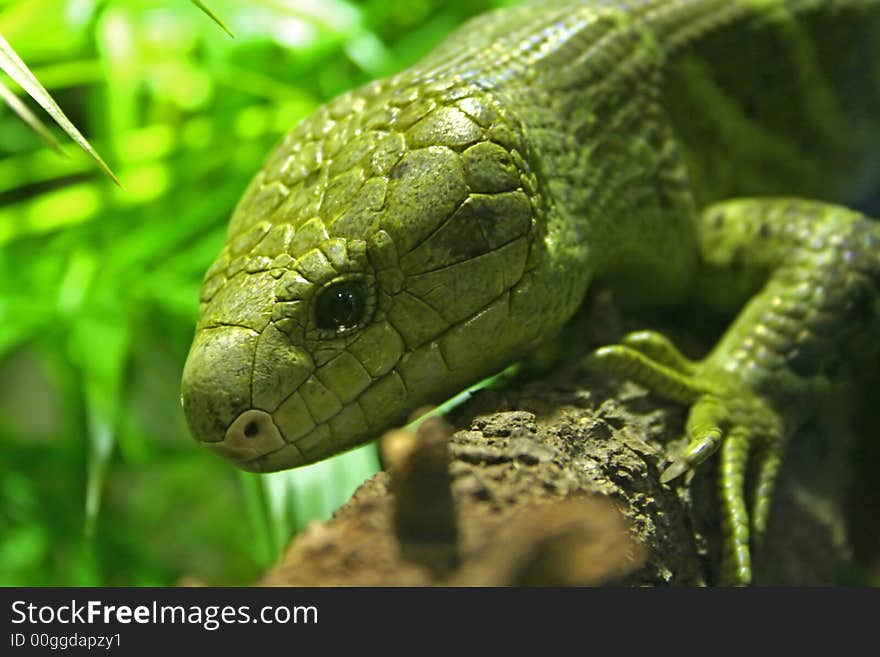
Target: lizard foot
[(725, 415)]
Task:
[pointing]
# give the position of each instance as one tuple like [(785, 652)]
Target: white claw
[(674, 471)]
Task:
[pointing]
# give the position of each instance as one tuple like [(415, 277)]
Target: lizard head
[(371, 267)]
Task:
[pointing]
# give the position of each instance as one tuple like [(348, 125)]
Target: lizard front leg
[(811, 326)]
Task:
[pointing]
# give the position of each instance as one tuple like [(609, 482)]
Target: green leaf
[(256, 510), (495, 381), (214, 17), (99, 345), (294, 498), (15, 68), (29, 117)]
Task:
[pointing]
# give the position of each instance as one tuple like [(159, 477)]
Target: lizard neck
[(586, 86)]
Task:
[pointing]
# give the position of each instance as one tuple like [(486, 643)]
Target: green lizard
[(417, 234)]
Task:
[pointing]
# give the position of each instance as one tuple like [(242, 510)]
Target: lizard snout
[(217, 401)]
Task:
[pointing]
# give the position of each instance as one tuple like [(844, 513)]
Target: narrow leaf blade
[(26, 115), (16, 69), (214, 17)]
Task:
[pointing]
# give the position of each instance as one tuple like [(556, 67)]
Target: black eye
[(341, 306)]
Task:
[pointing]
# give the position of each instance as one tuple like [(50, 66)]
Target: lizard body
[(417, 234)]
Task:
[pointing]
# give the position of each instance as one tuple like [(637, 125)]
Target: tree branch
[(561, 488)]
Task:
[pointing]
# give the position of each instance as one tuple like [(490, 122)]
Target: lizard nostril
[(253, 433)]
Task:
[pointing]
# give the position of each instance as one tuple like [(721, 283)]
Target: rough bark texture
[(556, 482)]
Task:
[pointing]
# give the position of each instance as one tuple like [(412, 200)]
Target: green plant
[(99, 483)]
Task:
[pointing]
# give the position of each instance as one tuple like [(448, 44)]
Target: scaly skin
[(420, 233)]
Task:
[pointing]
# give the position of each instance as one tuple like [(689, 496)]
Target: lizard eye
[(341, 306)]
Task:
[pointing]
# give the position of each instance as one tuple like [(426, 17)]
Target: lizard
[(426, 230)]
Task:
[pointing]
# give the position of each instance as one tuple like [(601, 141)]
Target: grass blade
[(100, 347), (15, 68), (29, 117), (214, 17), (294, 498)]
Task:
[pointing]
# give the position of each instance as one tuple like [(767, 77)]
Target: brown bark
[(562, 488)]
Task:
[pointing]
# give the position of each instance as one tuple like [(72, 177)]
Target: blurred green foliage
[(99, 482)]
